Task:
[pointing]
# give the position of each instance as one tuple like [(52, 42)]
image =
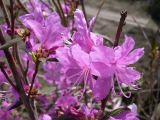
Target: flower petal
[(127, 75), (36, 27), (102, 54), (128, 45), (133, 57), (102, 88)]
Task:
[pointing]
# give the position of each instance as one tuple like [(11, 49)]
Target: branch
[(5, 12), (62, 12), (84, 11), (17, 78), (12, 17), (120, 27), (99, 10), (9, 44), (7, 77), (33, 78), (22, 6)]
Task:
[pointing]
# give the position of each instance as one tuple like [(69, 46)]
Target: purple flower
[(8, 115), (44, 117), (3, 78), (37, 11), (76, 63), (46, 35), (54, 74), (66, 101), (110, 62), (88, 112), (83, 36)]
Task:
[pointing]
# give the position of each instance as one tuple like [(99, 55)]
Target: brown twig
[(99, 10), (15, 47), (27, 68), (120, 27), (22, 6), (33, 77), (5, 12), (12, 17), (84, 11), (62, 13), (7, 77)]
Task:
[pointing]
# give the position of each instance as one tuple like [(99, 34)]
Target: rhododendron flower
[(37, 6), (77, 68), (7, 115), (83, 36), (110, 62), (37, 11), (46, 36), (66, 101), (89, 113), (54, 74), (45, 117), (69, 6)]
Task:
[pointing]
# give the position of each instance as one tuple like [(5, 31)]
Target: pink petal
[(102, 54), (102, 88), (127, 75), (36, 27), (128, 45), (133, 57), (80, 56)]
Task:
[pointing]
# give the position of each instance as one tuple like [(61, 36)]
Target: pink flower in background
[(54, 74), (44, 117), (8, 115), (66, 101), (89, 112), (37, 11), (110, 62)]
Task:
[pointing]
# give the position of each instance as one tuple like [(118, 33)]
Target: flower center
[(42, 53)]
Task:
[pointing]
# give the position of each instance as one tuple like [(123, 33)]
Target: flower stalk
[(120, 27)]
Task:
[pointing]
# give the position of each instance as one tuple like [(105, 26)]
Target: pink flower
[(89, 112), (46, 35), (83, 36), (66, 101), (45, 117), (54, 74), (76, 64), (110, 62)]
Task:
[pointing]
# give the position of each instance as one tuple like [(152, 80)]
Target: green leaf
[(34, 57), (114, 112)]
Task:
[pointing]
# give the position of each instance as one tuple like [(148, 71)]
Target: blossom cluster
[(77, 63)]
